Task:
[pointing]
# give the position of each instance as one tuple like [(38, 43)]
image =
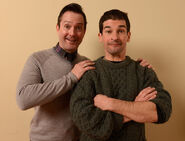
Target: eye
[(66, 26), (79, 28), (108, 31), (121, 31)]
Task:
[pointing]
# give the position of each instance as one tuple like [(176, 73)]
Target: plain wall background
[(158, 35)]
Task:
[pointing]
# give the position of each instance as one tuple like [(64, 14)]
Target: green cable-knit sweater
[(123, 81)]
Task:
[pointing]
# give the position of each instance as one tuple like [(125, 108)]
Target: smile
[(71, 40)]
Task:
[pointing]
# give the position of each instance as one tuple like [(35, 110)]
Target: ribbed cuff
[(73, 77)]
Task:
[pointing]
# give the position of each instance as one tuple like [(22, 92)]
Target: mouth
[(71, 40), (115, 44), (118, 44)]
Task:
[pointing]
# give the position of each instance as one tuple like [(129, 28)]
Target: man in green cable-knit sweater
[(112, 102)]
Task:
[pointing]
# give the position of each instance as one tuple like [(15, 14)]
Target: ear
[(100, 37), (129, 35), (57, 28)]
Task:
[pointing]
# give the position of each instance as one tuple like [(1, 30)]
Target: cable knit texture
[(123, 81)]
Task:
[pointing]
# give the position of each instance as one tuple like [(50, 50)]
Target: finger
[(144, 91), (154, 96), (139, 59), (150, 89), (89, 68), (151, 67), (83, 70), (141, 63), (85, 61), (147, 65), (150, 95), (144, 63), (88, 64)]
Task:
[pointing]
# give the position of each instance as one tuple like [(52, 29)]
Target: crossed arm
[(147, 107), (140, 110)]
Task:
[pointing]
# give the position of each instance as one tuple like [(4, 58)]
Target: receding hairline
[(120, 25)]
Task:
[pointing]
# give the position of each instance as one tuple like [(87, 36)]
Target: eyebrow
[(71, 22), (119, 26)]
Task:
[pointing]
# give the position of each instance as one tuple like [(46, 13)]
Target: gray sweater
[(45, 84)]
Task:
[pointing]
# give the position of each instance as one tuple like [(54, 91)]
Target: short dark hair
[(74, 7), (114, 14)]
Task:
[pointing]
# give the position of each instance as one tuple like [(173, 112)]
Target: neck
[(120, 57), (68, 51)]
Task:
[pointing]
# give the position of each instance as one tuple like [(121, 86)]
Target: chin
[(115, 52), (73, 49)]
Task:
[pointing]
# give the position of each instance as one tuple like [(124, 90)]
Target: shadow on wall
[(166, 71), (171, 130), (98, 49)]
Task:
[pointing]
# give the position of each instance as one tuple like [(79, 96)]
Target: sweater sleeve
[(32, 91), (163, 99), (93, 122)]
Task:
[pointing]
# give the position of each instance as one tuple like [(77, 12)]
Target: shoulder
[(91, 75), (95, 73), (40, 57), (140, 70), (43, 54)]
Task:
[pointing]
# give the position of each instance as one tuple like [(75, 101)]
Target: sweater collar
[(113, 65), (68, 56)]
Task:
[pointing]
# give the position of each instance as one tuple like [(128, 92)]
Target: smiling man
[(49, 75), (71, 31), (112, 102)]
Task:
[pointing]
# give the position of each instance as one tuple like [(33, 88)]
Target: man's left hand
[(102, 101), (144, 63)]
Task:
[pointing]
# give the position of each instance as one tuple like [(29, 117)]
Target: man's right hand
[(83, 66)]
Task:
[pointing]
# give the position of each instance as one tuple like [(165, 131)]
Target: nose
[(114, 36), (72, 31)]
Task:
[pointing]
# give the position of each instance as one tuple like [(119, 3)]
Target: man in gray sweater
[(48, 77)]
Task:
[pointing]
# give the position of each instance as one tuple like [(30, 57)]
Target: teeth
[(71, 40)]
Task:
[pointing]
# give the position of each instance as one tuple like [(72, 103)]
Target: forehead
[(114, 24), (72, 17)]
